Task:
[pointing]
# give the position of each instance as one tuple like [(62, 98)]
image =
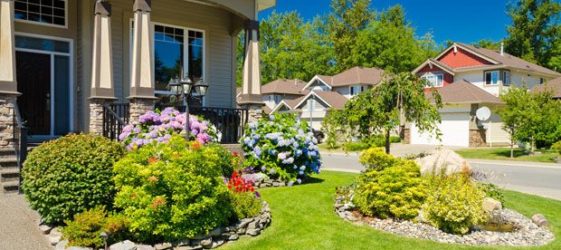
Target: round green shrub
[(557, 147), (454, 204), (392, 188), (86, 228), (245, 204), (172, 191), (70, 175)]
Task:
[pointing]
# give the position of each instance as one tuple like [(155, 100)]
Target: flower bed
[(527, 233), (281, 147)]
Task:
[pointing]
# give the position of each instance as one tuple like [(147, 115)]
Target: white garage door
[(454, 129)]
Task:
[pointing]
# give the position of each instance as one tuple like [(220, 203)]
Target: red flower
[(239, 185)]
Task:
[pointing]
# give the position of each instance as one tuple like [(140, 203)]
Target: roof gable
[(458, 56)]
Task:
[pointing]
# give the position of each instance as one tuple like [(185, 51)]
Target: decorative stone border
[(217, 237), (527, 233)]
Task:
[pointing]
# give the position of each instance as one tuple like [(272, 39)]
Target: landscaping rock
[(218, 243), (244, 222), (46, 229), (206, 243), (490, 205), (216, 232), (163, 246), (79, 248), (234, 237), (253, 232), (443, 161), (144, 247), (61, 245), (54, 236), (540, 220), (123, 245), (188, 248)]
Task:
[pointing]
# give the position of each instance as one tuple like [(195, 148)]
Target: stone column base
[(139, 106), (96, 115), (406, 136), (8, 121), (255, 111), (477, 138)]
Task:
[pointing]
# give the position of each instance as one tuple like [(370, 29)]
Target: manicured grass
[(304, 218), (504, 154)]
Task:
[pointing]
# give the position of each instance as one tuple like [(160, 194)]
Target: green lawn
[(303, 218), (504, 154)]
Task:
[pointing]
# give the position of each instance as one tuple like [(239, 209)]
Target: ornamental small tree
[(398, 99)]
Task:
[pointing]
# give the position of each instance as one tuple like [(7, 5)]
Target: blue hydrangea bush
[(156, 126), (282, 147)]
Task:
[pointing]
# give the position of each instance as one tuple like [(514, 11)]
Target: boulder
[(490, 205), (46, 229), (540, 220), (206, 243), (123, 245), (55, 236), (234, 237), (163, 246), (61, 245), (443, 161), (144, 247)]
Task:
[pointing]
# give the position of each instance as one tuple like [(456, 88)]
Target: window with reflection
[(41, 11)]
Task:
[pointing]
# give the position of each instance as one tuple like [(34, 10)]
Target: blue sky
[(457, 20)]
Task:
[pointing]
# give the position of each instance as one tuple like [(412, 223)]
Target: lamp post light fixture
[(185, 88)]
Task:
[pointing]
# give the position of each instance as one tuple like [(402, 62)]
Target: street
[(533, 178)]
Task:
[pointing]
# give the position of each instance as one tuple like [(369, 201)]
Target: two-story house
[(468, 78), (312, 101)]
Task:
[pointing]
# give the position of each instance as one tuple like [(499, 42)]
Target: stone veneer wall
[(139, 106), (96, 116), (7, 120), (406, 136), (255, 111), (477, 138)]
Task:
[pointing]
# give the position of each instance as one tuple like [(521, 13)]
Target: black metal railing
[(229, 121), (20, 140), (115, 117)]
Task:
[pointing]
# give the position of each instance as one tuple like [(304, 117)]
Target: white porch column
[(251, 88), (142, 65), (8, 80), (102, 86)]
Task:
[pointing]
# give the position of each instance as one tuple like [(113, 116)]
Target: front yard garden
[(304, 219), (547, 156)]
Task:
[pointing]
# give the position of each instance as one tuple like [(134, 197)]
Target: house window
[(506, 78), (355, 90), (542, 80), (51, 12), (433, 80), (492, 77), (175, 47)]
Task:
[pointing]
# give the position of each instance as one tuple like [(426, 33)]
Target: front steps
[(9, 171)]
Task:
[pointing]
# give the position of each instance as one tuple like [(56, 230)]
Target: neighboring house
[(554, 86), (469, 78), (282, 89), (312, 101)]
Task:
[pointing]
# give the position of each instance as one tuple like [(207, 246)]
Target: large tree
[(389, 43), (398, 99), (347, 19), (535, 31)]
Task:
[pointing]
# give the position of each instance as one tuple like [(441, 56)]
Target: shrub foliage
[(172, 191), (454, 204), (389, 187), (69, 175)]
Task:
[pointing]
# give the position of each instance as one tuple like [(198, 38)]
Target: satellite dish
[(483, 113)]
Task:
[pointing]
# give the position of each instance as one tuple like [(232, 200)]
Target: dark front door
[(34, 82)]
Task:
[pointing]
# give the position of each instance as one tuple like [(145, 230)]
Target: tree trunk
[(511, 149), (388, 141)]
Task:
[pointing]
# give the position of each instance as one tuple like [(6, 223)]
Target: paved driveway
[(19, 225), (528, 177)]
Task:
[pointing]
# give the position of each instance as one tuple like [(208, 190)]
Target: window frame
[(504, 75), (352, 90), (65, 26), (436, 75), (490, 82), (185, 51)]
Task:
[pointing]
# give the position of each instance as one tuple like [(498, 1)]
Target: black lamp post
[(185, 88)]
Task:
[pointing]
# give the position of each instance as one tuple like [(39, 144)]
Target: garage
[(454, 129)]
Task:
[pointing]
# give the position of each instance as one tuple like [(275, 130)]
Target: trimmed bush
[(355, 146), (86, 228), (281, 147), (454, 204), (172, 191), (557, 147), (70, 175), (389, 188), (492, 191)]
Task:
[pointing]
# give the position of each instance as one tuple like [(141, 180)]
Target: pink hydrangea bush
[(160, 126)]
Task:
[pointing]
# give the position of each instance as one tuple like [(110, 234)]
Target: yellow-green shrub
[(389, 187), (454, 203), (86, 228), (172, 191), (376, 159), (245, 204), (69, 175)]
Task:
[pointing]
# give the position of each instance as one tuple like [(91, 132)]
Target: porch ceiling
[(243, 8)]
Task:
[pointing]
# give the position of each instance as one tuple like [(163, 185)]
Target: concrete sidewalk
[(19, 229)]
